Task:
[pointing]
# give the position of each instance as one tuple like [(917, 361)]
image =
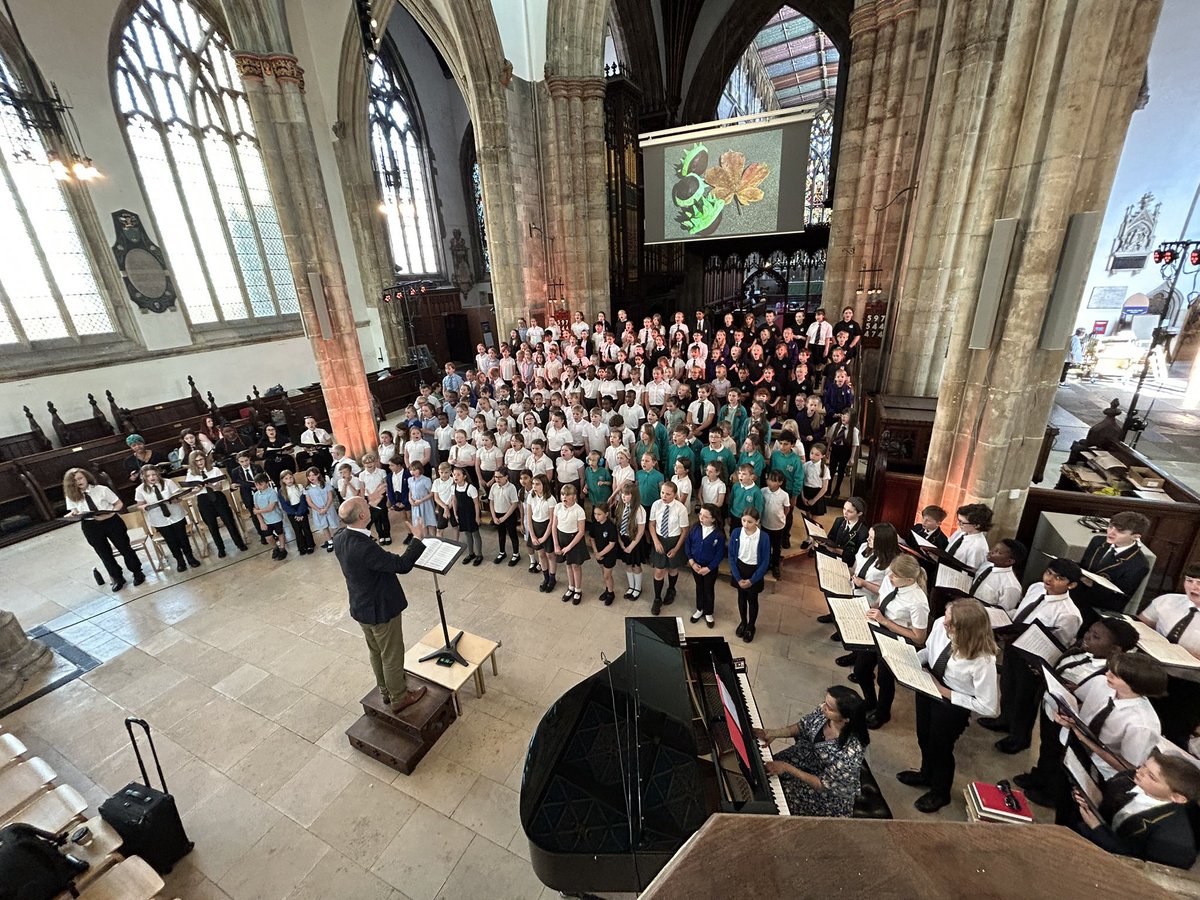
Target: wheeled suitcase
[(147, 819)]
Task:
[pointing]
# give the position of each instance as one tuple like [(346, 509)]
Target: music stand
[(440, 554)]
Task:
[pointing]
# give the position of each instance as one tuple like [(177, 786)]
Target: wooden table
[(475, 650)]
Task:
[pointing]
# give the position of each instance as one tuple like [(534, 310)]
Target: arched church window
[(397, 147), (48, 288), (820, 149), (193, 141)]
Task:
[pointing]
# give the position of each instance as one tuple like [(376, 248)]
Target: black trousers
[(839, 462), (214, 509), (776, 545), (507, 532), (304, 535), (748, 602), (865, 664), (103, 537), (176, 537), (938, 726), (1020, 696), (706, 592), (247, 494), (379, 519)]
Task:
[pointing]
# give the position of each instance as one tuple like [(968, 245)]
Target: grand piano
[(630, 762)]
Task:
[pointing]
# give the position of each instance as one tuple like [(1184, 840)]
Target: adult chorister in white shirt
[(968, 544), (995, 583), (1177, 616), (960, 652)]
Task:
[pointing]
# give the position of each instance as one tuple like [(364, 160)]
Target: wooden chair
[(198, 546), (196, 527), (21, 784), (11, 749), (53, 811), (141, 539), (130, 879), (100, 852)]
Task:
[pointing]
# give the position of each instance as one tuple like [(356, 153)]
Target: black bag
[(147, 819), (31, 865)]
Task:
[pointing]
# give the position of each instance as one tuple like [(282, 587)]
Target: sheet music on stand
[(850, 615), (1040, 642), (439, 555), (955, 580), (901, 658), (1067, 705), (920, 541), (833, 576), (1078, 770)]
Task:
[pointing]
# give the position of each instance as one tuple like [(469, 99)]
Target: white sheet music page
[(1101, 581), (997, 616), (850, 613), (901, 658), (921, 542), (437, 554), (1036, 641), (1156, 645), (815, 529), (949, 578), (1078, 771), (833, 576)]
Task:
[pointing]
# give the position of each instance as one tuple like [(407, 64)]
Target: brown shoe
[(409, 698)]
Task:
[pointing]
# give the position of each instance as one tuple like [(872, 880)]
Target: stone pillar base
[(20, 656)]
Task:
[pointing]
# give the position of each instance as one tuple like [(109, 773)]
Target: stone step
[(422, 722)]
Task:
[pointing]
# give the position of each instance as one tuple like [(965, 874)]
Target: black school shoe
[(515, 559), (117, 585), (845, 661), (992, 724), (825, 619), (478, 560), (931, 802), (139, 577), (500, 557), (912, 778)]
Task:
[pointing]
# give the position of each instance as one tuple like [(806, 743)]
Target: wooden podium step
[(425, 720), (400, 742)]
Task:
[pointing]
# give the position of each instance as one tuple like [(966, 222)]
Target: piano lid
[(612, 770)]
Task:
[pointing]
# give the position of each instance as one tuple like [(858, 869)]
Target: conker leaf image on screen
[(723, 187)]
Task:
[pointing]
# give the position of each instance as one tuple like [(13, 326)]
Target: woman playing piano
[(819, 773)]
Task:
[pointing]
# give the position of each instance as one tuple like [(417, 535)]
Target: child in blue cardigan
[(705, 548), (749, 556)]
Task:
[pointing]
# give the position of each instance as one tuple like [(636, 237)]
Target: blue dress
[(424, 513)]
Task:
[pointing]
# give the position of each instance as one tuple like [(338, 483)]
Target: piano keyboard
[(765, 752)]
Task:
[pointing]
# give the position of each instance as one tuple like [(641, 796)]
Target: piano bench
[(870, 804)]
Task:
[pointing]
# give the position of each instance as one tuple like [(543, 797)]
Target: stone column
[(892, 45), (576, 188), (274, 84), (20, 656), (1030, 108)]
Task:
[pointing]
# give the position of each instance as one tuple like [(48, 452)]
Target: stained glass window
[(48, 288), (816, 188), (398, 150), (480, 224), (189, 125)]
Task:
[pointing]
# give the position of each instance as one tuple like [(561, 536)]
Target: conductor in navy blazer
[(377, 599)]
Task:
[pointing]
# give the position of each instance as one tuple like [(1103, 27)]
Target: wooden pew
[(32, 441), (133, 421), (96, 426), (45, 470), (24, 509), (396, 390)]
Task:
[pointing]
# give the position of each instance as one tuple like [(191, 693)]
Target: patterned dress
[(837, 767)]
